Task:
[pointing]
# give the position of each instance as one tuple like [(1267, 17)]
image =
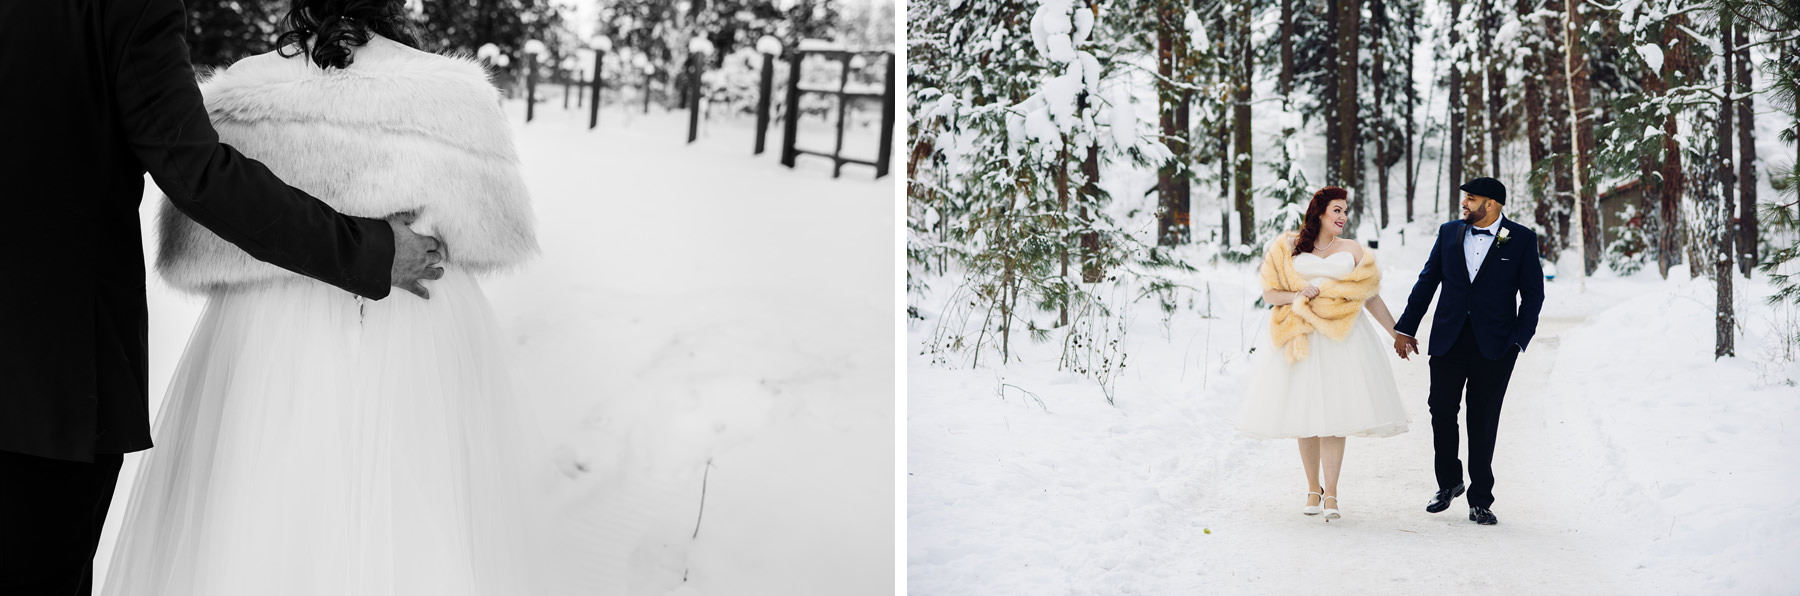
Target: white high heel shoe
[(1331, 513), (1313, 509)]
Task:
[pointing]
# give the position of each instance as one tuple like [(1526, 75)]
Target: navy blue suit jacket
[(1501, 304)]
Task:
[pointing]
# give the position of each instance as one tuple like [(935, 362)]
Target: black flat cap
[(1486, 187)]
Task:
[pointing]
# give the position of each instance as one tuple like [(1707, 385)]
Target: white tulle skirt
[(315, 443), (1341, 389)]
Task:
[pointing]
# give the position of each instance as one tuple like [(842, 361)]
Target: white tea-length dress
[(1341, 389)]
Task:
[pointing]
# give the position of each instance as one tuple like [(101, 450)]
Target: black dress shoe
[(1441, 501), (1482, 516)]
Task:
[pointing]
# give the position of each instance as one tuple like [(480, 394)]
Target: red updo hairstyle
[(1315, 214)]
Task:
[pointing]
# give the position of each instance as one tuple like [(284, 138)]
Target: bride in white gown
[(1323, 373), (313, 442)]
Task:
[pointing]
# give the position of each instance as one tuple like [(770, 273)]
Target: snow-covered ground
[(1629, 461), (698, 315)]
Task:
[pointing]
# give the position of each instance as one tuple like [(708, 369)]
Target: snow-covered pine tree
[(220, 33), (464, 26), (651, 32), (1779, 221), (1657, 86), (1003, 108)]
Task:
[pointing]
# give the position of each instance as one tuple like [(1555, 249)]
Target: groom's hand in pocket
[(1404, 345), (415, 257)]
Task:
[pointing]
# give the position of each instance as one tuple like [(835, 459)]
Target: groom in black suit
[(93, 94), (1486, 315)]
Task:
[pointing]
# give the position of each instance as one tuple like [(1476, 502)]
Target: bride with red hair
[(1323, 373)]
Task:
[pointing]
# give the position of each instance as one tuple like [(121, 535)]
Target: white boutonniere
[(1504, 235)]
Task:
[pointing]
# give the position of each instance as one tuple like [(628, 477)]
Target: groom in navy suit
[(1486, 315)]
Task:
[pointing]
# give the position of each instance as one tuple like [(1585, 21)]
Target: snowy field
[(1628, 462), (698, 315)]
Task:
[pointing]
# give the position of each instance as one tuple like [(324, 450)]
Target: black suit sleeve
[(165, 123), (1531, 296), (1422, 291)]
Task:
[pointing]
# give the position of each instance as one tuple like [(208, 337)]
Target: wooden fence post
[(530, 86), (594, 104), (886, 155), (693, 70), (837, 165), (763, 101), (791, 114)]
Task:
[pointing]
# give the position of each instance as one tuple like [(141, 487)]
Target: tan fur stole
[(1332, 312)]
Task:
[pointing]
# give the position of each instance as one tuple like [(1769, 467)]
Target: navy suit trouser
[(1485, 380)]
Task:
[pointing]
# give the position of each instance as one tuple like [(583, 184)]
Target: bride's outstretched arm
[(1380, 310)]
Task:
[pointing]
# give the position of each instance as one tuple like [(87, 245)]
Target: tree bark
[(1747, 234), (1287, 47), (1334, 138), (1246, 208), (1062, 207), (1378, 22), (1721, 209), (1561, 196), (1456, 112), (1412, 98), (1348, 36), (1580, 117), (1172, 221), (1669, 243), (1490, 20), (1536, 149)]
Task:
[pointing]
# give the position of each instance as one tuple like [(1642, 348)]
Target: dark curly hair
[(1315, 213), (328, 30)]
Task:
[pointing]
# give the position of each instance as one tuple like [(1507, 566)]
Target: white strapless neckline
[(1308, 254)]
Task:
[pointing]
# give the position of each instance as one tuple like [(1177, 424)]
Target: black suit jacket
[(94, 93), (1501, 304)]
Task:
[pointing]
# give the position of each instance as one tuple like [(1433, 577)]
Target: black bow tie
[(1480, 231)]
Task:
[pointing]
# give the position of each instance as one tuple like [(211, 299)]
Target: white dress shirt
[(1476, 246)]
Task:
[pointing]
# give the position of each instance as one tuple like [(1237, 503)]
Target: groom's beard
[(1475, 216)]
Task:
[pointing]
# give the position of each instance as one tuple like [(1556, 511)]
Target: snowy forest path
[(1255, 540)]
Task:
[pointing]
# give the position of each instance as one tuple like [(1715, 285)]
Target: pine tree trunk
[(1412, 101), (1490, 20), (1184, 183), (1668, 235), (1722, 345), (1456, 114), (1329, 100), (1172, 218), (1378, 26), (1287, 47), (1091, 271), (1089, 193), (1222, 133), (1475, 98), (1747, 235), (1412, 97), (1535, 147), (1348, 36), (1062, 207), (1556, 94), (1246, 208), (1581, 119)]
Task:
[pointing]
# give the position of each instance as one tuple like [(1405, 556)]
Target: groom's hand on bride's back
[(1404, 346), (415, 257)]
